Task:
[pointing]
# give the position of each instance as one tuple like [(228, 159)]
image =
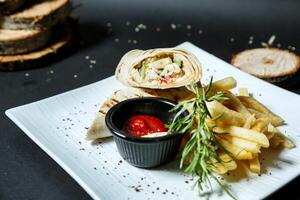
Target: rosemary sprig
[(200, 151)]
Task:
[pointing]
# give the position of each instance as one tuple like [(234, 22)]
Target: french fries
[(249, 146), (243, 133), (243, 126), (236, 151), (254, 165), (275, 120), (218, 110), (237, 105), (255, 107)]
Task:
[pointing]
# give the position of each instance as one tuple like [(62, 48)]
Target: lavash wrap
[(131, 61)]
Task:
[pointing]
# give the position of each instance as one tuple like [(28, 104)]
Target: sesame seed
[(173, 26), (232, 39), (117, 40), (264, 44), (93, 61), (87, 57), (188, 26), (129, 41), (136, 29), (271, 40), (75, 75), (91, 66), (27, 74), (128, 23), (108, 24), (142, 26), (134, 41), (200, 32), (157, 29)]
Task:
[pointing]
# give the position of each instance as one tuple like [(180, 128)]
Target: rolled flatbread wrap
[(158, 68)]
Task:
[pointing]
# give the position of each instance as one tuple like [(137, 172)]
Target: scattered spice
[(128, 23), (108, 24)]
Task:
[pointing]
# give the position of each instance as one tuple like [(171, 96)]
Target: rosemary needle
[(200, 151)]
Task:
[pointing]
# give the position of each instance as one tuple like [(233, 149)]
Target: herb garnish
[(200, 151)]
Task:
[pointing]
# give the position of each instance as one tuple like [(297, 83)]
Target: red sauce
[(139, 125)]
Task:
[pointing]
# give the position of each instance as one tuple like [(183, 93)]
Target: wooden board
[(37, 16), (22, 41), (10, 6), (63, 39)]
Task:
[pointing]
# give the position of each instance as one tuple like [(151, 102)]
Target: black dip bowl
[(139, 151)]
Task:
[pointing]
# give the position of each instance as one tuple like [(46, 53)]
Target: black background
[(26, 172)]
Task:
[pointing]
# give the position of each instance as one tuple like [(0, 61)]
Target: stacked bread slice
[(31, 31)]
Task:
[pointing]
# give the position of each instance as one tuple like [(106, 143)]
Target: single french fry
[(286, 142), (269, 118), (244, 92), (269, 134), (237, 152), (227, 161), (260, 125), (232, 117), (210, 121), (244, 133), (224, 84), (250, 146), (275, 141), (218, 167), (250, 102), (254, 165), (249, 122)]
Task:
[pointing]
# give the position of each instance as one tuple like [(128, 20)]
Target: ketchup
[(140, 125)]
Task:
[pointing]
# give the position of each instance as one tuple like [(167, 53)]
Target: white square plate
[(58, 125)]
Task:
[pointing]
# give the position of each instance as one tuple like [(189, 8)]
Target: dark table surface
[(107, 30)]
